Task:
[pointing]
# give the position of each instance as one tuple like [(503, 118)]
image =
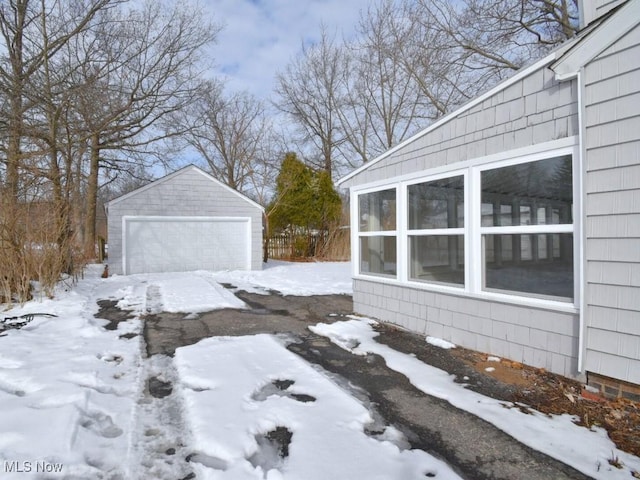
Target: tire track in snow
[(160, 438)]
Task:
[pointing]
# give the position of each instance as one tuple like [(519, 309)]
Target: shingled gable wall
[(533, 110), (187, 192)]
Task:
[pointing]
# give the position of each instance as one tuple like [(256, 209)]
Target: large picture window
[(436, 231), (497, 227), (377, 232), (527, 228)]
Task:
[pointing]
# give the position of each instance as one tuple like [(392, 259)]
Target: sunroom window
[(377, 232), (436, 231), (527, 228)]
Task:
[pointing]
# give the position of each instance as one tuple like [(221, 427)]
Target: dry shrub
[(335, 245), (33, 248)]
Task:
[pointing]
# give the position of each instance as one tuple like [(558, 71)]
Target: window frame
[(375, 233), (462, 231), (480, 231), (473, 230)]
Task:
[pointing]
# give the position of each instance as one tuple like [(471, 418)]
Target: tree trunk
[(92, 198)]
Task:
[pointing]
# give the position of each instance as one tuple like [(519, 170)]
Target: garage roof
[(179, 172)]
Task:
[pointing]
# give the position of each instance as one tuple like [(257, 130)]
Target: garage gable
[(185, 221)]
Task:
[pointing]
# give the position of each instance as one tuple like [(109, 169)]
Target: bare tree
[(383, 104), (84, 86), (140, 67), (309, 91), (489, 39), (229, 131), (412, 62), (33, 34)]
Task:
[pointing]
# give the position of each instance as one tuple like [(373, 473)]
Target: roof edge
[(519, 75), (615, 24), (180, 171)]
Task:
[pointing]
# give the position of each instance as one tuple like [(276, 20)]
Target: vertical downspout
[(582, 162)]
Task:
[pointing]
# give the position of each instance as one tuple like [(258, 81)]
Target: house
[(185, 221), (512, 225)]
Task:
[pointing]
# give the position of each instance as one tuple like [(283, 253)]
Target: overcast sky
[(260, 36)]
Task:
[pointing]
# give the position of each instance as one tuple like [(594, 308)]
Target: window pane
[(437, 204), (534, 264), (377, 211), (534, 193), (378, 255), (437, 258)]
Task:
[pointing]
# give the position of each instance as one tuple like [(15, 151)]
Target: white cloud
[(261, 36)]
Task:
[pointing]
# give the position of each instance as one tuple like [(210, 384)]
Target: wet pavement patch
[(110, 311), (273, 448), (280, 388), (282, 384), (281, 437), (474, 448), (303, 397), (159, 388)]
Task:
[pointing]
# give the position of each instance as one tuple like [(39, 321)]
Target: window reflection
[(378, 255), (377, 211), (534, 193), (437, 204), (437, 258), (535, 264)]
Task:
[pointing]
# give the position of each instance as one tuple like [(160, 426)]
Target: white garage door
[(182, 244)]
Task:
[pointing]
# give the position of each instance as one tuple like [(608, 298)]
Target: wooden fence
[(321, 244)]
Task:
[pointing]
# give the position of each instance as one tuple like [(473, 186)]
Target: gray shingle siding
[(612, 211), (591, 96), (533, 110), (189, 193), (537, 337)]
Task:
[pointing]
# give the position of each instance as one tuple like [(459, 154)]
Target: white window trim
[(356, 234), (407, 232), (473, 230)]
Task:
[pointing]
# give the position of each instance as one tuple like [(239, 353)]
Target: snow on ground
[(313, 278), (557, 436), (72, 392), (190, 292), (233, 401), (67, 387)]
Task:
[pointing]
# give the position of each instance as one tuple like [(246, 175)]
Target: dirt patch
[(534, 387), (553, 394)]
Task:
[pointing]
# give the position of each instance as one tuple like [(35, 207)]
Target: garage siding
[(169, 244), (188, 192)]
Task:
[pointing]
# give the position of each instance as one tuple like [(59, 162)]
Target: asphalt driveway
[(473, 447)]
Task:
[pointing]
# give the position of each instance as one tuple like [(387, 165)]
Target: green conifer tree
[(305, 202)]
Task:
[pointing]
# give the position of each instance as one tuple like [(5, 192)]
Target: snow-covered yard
[(73, 404)]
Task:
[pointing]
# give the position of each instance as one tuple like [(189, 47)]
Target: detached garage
[(185, 221)]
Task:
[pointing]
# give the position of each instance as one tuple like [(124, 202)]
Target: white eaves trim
[(175, 174), (611, 29), (467, 106)]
